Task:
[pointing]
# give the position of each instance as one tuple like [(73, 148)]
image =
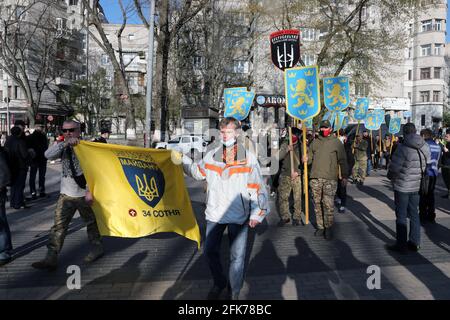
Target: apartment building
[(48, 47)]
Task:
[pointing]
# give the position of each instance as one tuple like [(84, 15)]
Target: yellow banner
[(137, 192)]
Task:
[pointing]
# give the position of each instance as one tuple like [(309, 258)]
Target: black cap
[(325, 124)]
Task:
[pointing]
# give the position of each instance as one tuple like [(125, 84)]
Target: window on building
[(438, 49), (409, 74), (422, 120), (424, 96), (437, 73), (425, 73), (131, 36), (364, 13), (425, 50), (409, 95), (427, 25), (436, 96), (438, 24), (61, 23), (308, 59), (362, 89), (308, 34), (410, 29), (240, 66), (199, 62), (128, 58), (409, 53), (73, 2), (105, 59), (20, 12)]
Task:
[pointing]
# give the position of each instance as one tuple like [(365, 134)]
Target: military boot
[(95, 253), (50, 262)]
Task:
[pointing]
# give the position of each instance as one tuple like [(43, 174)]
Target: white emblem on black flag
[(285, 48)]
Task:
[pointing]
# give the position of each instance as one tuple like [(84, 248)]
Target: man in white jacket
[(236, 198)]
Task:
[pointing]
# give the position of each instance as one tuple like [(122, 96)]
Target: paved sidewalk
[(283, 263)]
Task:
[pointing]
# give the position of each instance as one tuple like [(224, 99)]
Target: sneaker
[(413, 247), (214, 293), (283, 222), (342, 210), (50, 262), (295, 222), (95, 253), (328, 233), (397, 248)]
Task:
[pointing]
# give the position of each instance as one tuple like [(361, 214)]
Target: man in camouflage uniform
[(360, 153), (325, 155), (290, 181)]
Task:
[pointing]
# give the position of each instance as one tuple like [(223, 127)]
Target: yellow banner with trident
[(137, 192)]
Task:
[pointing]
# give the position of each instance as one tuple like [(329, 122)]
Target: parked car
[(184, 144)]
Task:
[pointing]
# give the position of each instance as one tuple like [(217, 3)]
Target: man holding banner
[(325, 155), (72, 198), (236, 199)]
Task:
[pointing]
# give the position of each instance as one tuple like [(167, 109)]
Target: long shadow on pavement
[(409, 260)]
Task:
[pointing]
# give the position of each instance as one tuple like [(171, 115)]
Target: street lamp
[(7, 101)]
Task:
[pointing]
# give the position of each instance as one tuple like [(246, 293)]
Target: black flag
[(285, 48)]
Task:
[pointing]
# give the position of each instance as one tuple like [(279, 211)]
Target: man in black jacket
[(39, 143), (5, 234), (445, 163), (18, 157)]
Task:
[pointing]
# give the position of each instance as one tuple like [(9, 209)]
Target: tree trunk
[(162, 56)]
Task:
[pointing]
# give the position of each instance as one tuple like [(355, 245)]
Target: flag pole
[(371, 146), (338, 129), (392, 143), (291, 152), (305, 173), (354, 140)]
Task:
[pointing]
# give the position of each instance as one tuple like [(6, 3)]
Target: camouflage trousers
[(323, 192), (286, 186), (360, 170), (65, 210)]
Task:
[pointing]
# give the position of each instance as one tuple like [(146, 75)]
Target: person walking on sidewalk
[(325, 155), (426, 204), (39, 143), (342, 184), (73, 196), (445, 163), (360, 153), (236, 199), (405, 171), (290, 181), (5, 233)]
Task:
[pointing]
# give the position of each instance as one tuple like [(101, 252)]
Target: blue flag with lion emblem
[(238, 102), (302, 92), (137, 191), (336, 93), (394, 125), (362, 106), (373, 121)]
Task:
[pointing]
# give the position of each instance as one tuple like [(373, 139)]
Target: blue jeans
[(237, 235), (40, 166), (369, 165), (5, 234), (407, 206)]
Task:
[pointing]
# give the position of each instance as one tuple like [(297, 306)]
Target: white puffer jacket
[(235, 192)]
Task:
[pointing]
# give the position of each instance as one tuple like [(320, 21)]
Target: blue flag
[(373, 121), (380, 115), (336, 93), (308, 123), (238, 102), (394, 125), (362, 106), (302, 92)]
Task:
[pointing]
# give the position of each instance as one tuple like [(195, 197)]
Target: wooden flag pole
[(381, 150), (338, 129), (305, 174), (292, 151), (371, 146), (392, 143), (354, 140)]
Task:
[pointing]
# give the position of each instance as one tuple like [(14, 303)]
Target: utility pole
[(148, 104)]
